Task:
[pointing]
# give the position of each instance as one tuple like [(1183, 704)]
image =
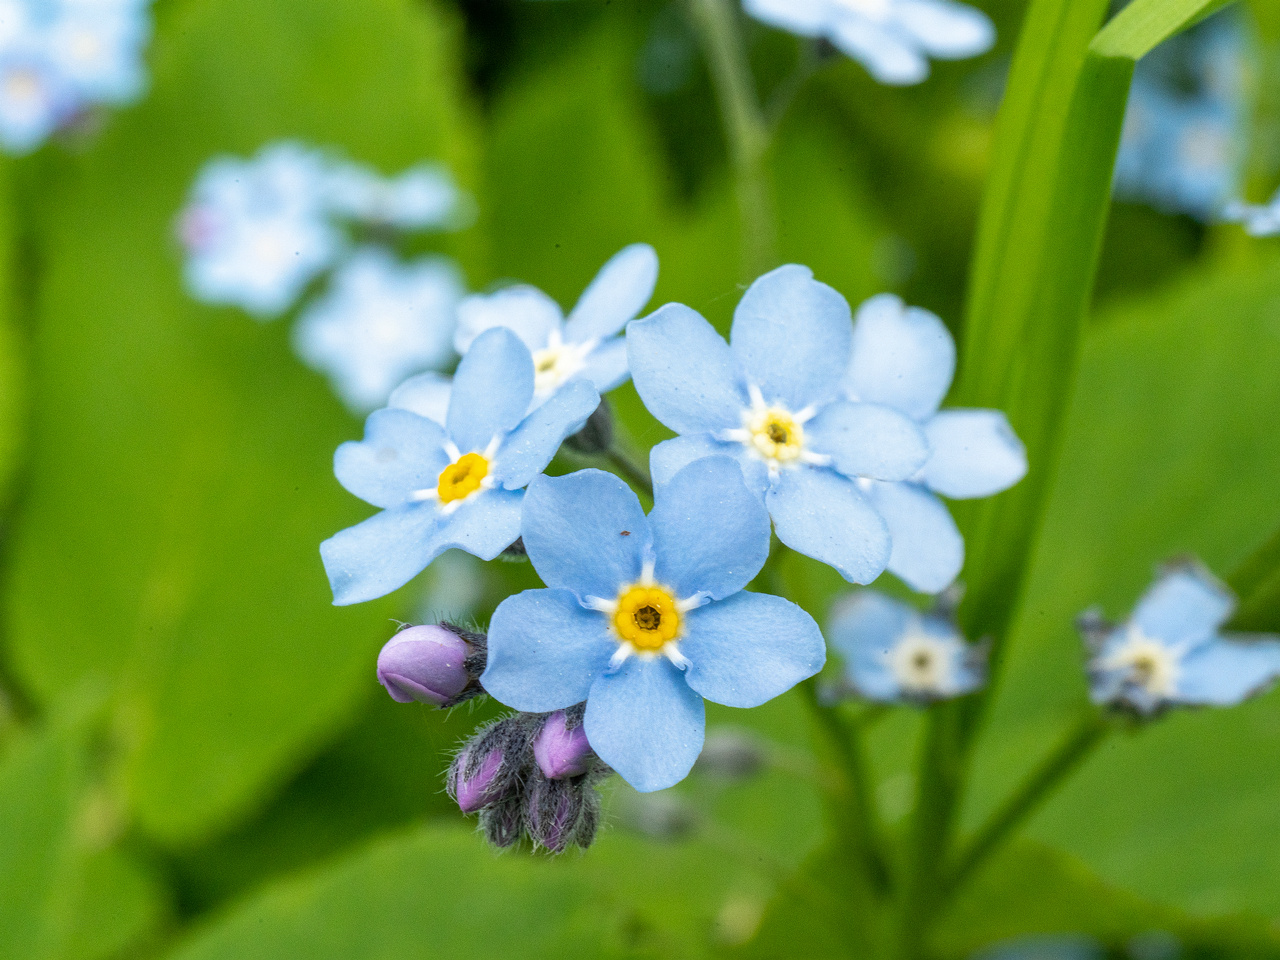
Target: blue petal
[(974, 453), (389, 549), (618, 293), (585, 532), (491, 390), (946, 30), (928, 551), (748, 649), (864, 628), (526, 311), (530, 446), (671, 456), (606, 365), (1185, 606), (885, 53), (401, 453), (868, 440), (645, 722), (545, 651), (684, 372), (903, 357), (710, 533), (1224, 672), (792, 336), (821, 514), (427, 395)]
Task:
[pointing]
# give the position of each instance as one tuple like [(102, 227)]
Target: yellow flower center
[(647, 617), (776, 435), (463, 478)]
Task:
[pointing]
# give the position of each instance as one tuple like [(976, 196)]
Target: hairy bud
[(561, 747), (439, 664), (596, 434)]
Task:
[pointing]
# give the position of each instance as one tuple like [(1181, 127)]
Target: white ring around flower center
[(558, 361), (774, 434), (922, 664), (1147, 663)]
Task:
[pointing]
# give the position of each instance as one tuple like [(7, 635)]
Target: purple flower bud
[(427, 664), (554, 807), (502, 823), (477, 782), (561, 751)]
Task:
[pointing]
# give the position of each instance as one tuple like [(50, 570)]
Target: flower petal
[(606, 365), (748, 649), (1186, 605), (427, 395), (886, 54), (401, 453), (864, 628), (710, 533), (868, 440), (645, 722), (524, 310), (389, 549), (619, 292), (821, 514), (545, 651), (1225, 672), (528, 448), (949, 31), (684, 371), (903, 357), (671, 456), (792, 335), (491, 390), (585, 532), (974, 453), (928, 550)]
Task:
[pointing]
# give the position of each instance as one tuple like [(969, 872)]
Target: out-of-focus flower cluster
[(61, 58), (260, 234)]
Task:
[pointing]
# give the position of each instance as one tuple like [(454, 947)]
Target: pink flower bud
[(426, 663), (561, 751)]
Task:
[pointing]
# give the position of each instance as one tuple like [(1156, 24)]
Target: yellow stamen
[(647, 617), (776, 435), (463, 478)]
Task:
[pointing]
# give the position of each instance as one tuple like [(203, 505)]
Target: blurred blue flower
[(646, 616), (893, 39), (60, 57), (587, 345), (423, 197), (771, 398), (380, 321), (904, 358), (1260, 220), (894, 653), (1171, 650), (256, 231), (1183, 144), (427, 395), (451, 485)]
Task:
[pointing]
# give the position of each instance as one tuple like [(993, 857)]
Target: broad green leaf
[(1169, 449), (181, 478)]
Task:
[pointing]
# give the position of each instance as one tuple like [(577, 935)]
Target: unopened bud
[(427, 664), (477, 780), (596, 434), (503, 822), (552, 812), (561, 748), (731, 754)]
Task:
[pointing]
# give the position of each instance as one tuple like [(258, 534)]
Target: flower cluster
[(260, 233), (60, 58), (1183, 147), (893, 39)]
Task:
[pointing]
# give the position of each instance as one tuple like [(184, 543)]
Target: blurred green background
[(195, 758)]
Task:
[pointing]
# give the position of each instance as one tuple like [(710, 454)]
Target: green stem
[(853, 811), (745, 127), (631, 472), (1065, 758)]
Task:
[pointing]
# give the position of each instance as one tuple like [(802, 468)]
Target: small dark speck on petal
[(626, 533)]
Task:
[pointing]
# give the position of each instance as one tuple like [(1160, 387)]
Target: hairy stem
[(746, 129), (1065, 758)]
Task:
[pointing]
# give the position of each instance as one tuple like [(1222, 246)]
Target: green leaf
[(12, 348), (1164, 453), (181, 461)]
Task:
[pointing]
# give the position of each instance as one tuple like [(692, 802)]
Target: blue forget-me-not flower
[(643, 617), (1260, 220), (422, 197), (380, 321), (456, 485), (587, 345), (893, 39), (58, 58), (904, 358), (772, 399), (895, 653), (1172, 651), (257, 231)]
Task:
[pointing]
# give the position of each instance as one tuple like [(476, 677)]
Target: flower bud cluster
[(437, 663), (531, 775)]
